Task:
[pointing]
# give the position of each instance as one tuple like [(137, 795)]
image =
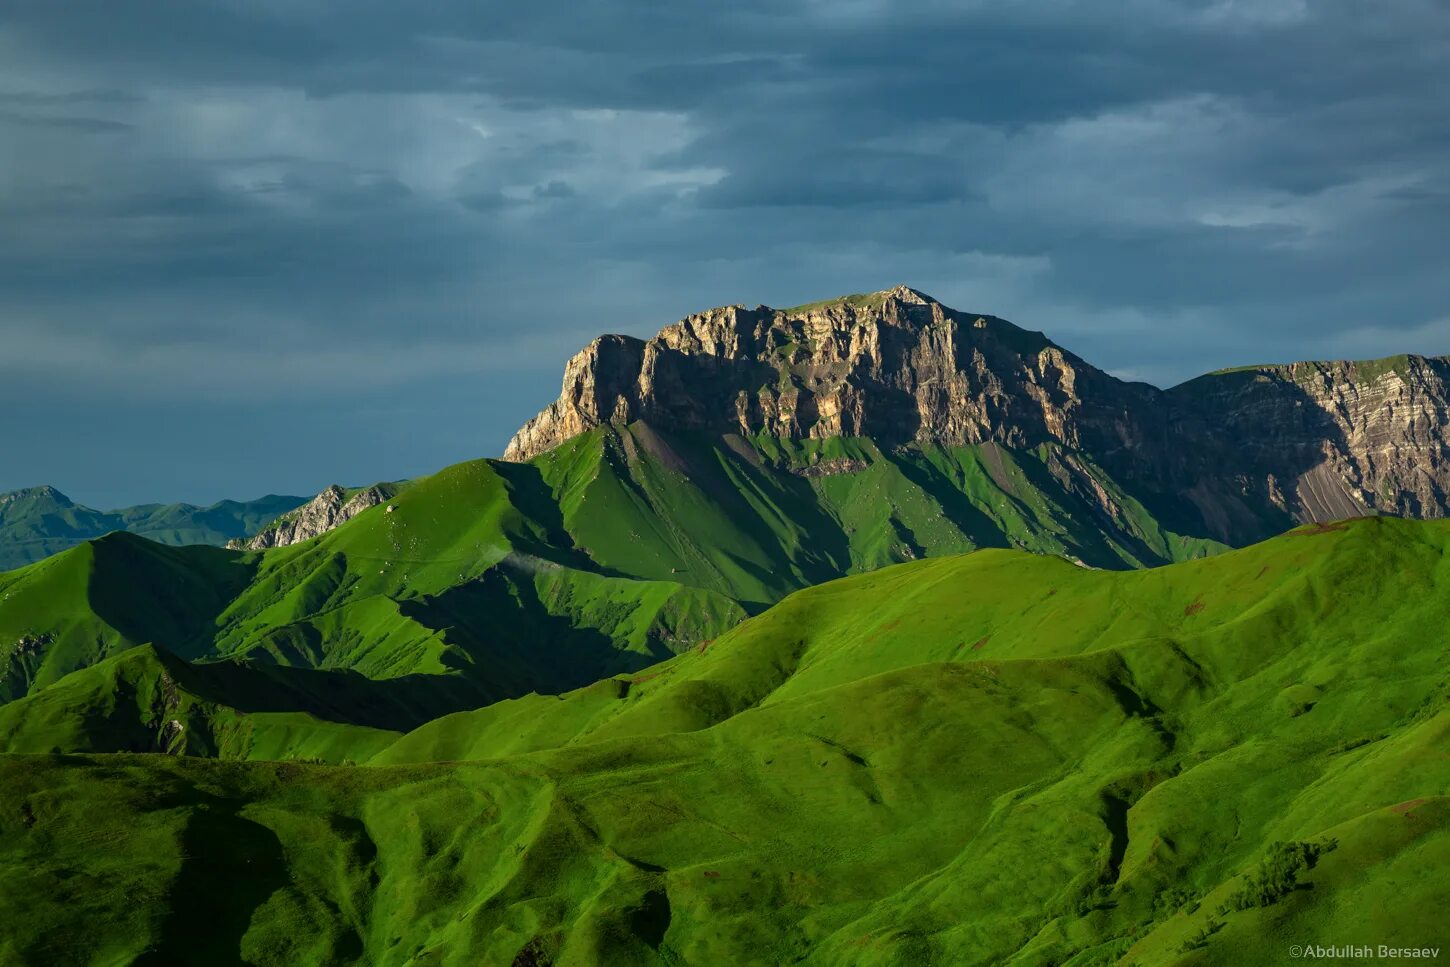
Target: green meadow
[(977, 758), (491, 580)]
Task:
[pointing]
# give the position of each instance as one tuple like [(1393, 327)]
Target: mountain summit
[(44, 496), (896, 366), (1234, 454)]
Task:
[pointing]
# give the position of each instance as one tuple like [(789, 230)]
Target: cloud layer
[(259, 246)]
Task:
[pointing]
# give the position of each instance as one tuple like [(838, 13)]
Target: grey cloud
[(354, 209), (92, 125), (37, 98), (555, 189)]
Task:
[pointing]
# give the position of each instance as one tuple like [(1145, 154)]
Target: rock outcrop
[(896, 366), (1243, 452), (331, 508)]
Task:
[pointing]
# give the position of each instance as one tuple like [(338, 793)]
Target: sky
[(261, 246)]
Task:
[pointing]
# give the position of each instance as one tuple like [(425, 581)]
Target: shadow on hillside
[(955, 505), (171, 596), (336, 695), (719, 471), (1223, 436), (536, 501), (504, 627), (230, 866)]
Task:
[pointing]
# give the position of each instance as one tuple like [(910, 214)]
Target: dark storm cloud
[(379, 228)]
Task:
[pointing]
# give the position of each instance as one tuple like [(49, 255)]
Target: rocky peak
[(1243, 450), (43, 494), (896, 365), (331, 508)]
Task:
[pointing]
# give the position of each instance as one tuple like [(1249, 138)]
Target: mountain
[(681, 484), (37, 522), (740, 658), (980, 759), (1232, 457), (458, 588)]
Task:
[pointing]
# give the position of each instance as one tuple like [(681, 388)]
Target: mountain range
[(1231, 456), (864, 632), (36, 522)]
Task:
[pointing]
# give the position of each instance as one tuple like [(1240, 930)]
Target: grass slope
[(622, 547), (972, 760), (757, 519), (103, 597), (147, 700), (455, 588)]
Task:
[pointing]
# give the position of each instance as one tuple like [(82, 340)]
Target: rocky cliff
[(1238, 454), (896, 366), (1326, 440), (329, 509)]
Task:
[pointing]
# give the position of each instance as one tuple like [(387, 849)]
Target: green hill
[(490, 579), (456, 588), (980, 759), (145, 700), (37, 522), (757, 518)]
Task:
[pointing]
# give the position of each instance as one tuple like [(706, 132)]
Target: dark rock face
[(1238, 455), (1326, 440)]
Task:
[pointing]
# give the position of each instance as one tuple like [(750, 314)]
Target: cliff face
[(1328, 440), (331, 508), (1241, 453), (896, 366)]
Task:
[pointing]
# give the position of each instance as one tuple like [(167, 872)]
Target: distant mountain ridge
[(1232, 456), (36, 522)]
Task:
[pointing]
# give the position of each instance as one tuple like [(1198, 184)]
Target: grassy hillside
[(759, 518), (147, 700), (40, 521), (968, 760), (456, 589), (106, 596), (490, 580)]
